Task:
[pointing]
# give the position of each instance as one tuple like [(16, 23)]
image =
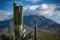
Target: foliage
[(30, 36), (27, 36), (48, 36)]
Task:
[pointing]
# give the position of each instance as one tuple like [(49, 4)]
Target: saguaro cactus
[(18, 21), (35, 33)]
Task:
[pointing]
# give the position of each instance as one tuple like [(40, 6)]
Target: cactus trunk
[(18, 21)]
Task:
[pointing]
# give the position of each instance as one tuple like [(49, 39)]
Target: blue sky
[(47, 8)]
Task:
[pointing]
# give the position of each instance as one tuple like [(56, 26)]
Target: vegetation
[(30, 36)]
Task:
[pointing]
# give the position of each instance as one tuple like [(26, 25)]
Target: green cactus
[(18, 20)]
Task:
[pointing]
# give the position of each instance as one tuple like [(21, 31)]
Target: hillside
[(43, 24)]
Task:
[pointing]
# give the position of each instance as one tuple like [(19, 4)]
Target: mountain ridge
[(43, 23)]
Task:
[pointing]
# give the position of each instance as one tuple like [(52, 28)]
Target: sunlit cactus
[(18, 21)]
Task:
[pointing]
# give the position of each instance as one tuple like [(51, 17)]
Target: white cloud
[(44, 6), (44, 9), (48, 11), (5, 15), (33, 7), (30, 10), (56, 16), (34, 1)]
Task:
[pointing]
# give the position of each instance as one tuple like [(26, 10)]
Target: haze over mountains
[(43, 24)]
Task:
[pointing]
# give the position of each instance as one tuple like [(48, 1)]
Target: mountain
[(5, 23), (40, 21), (6, 26), (43, 24)]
